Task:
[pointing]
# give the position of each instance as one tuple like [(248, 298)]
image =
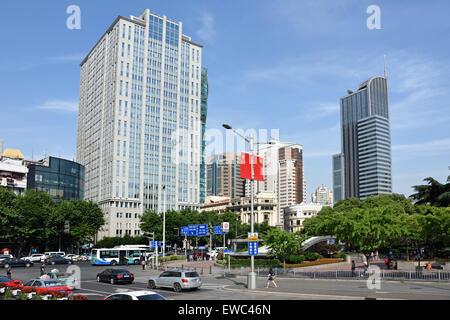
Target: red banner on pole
[(258, 169), (246, 169)]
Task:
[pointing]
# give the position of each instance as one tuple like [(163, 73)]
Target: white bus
[(118, 255)]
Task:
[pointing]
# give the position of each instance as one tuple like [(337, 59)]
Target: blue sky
[(276, 64)]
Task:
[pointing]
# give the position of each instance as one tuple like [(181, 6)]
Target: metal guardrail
[(438, 275), (423, 275)]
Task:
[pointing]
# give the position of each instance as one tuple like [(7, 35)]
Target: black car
[(57, 259), (5, 263), (115, 276)]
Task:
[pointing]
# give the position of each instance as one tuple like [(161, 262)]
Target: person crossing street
[(271, 278)]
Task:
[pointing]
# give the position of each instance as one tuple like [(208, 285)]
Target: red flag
[(246, 169), (258, 169)]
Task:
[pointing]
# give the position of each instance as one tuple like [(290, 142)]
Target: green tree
[(369, 229), (434, 193), (282, 244), (33, 225)]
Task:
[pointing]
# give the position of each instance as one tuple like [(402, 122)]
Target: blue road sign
[(253, 248), (218, 230), (202, 229), (228, 251), (193, 230), (202, 247), (184, 231), (152, 244)]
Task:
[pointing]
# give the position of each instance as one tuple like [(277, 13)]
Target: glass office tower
[(338, 177), (139, 123), (203, 115), (61, 178), (365, 140)]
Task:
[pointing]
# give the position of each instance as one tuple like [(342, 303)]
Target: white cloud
[(206, 31), (70, 57), (61, 105)]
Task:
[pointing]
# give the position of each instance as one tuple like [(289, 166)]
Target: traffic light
[(176, 232)]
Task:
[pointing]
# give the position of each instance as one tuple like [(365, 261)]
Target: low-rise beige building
[(295, 215)]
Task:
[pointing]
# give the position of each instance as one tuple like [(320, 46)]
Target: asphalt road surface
[(217, 287)]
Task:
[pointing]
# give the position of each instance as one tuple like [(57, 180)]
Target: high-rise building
[(140, 121), (224, 176), (338, 177), (366, 141), (203, 115), (283, 174), (323, 195)]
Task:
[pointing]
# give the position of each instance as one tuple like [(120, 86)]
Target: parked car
[(51, 253), (5, 263), (73, 257), (4, 281), (201, 255), (135, 295), (85, 257), (177, 280), (114, 276), (42, 286), (35, 257), (5, 256), (57, 259), (66, 278)]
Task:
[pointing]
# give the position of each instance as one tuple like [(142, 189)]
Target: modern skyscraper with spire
[(365, 142)]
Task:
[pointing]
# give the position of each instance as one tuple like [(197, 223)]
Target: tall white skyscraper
[(139, 122), (283, 174)]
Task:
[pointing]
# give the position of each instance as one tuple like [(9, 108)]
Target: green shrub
[(312, 256), (295, 259), (245, 262)]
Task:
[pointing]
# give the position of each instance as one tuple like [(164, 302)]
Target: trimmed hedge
[(246, 262), (314, 263), (172, 258)]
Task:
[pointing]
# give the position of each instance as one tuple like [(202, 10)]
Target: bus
[(121, 255)]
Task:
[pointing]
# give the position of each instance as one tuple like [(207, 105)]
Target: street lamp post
[(251, 277), (164, 221)]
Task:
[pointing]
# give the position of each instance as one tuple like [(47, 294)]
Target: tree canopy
[(34, 220)]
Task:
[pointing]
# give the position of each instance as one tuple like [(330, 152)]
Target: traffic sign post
[(253, 248), (228, 253), (252, 243)]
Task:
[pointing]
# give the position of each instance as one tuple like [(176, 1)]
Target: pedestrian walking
[(42, 268), (8, 272), (271, 278), (365, 268), (372, 255), (353, 268), (143, 264)]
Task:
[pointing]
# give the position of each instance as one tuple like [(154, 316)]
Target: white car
[(135, 295), (35, 257), (5, 256), (73, 257)]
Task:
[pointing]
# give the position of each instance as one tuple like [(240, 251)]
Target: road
[(217, 287)]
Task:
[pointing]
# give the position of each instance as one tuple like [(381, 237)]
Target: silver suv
[(177, 280)]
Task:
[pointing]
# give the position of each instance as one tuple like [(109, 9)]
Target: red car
[(6, 282), (201, 255), (47, 286)]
